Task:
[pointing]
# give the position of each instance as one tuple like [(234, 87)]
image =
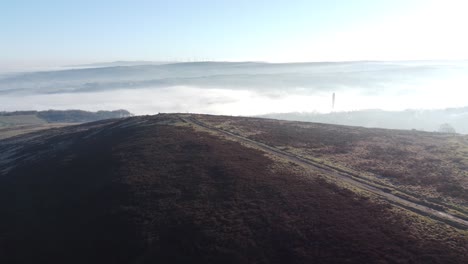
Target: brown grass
[(430, 165)]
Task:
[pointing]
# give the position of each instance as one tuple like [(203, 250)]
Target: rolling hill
[(265, 78), (22, 122), (57, 116), (181, 188), (425, 120)]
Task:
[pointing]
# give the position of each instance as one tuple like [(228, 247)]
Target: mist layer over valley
[(244, 88)]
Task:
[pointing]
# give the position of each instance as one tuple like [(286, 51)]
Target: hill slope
[(57, 116), (157, 189), (23, 122), (426, 120)]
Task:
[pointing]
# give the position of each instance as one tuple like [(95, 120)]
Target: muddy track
[(343, 176)]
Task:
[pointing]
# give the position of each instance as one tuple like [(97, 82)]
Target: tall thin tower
[(333, 101)]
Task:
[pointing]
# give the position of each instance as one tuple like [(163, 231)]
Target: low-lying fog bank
[(253, 88)]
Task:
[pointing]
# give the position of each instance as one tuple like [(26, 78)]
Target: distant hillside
[(19, 119), (267, 78), (163, 189), (57, 116), (117, 63), (425, 120), (225, 87)]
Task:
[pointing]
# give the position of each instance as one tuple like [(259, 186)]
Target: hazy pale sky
[(56, 32)]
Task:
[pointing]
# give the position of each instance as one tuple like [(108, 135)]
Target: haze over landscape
[(243, 88)]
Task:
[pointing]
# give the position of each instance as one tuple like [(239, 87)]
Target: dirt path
[(342, 176)]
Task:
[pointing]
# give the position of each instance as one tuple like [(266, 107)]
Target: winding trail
[(341, 176)]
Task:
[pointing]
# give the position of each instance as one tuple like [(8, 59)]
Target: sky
[(51, 32)]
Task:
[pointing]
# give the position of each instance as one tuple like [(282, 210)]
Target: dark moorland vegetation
[(430, 164), (153, 190)]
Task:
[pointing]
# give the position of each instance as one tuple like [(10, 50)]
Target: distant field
[(17, 120), (11, 131), (22, 122)]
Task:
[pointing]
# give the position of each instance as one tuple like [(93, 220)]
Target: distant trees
[(446, 128)]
